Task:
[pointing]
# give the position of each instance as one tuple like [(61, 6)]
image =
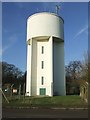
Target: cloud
[(11, 41), (3, 50), (0, 51), (83, 30)]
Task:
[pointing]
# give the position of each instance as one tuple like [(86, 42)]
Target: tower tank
[(45, 24)]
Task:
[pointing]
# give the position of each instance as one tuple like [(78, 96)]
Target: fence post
[(19, 91)]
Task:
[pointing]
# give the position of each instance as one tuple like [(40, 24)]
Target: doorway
[(42, 91)]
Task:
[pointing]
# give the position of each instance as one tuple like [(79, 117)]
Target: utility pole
[(11, 89), (24, 90)]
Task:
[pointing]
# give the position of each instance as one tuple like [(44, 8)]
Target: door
[(42, 91)]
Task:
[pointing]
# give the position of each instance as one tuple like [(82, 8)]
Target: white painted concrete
[(58, 65), (28, 77), (45, 29), (45, 24), (46, 72)]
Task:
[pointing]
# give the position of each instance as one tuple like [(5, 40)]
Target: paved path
[(43, 113)]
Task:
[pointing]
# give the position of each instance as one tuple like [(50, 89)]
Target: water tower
[(45, 55)]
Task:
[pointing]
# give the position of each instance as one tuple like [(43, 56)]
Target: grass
[(56, 101)]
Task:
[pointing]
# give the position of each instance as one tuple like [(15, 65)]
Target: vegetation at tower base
[(85, 84), (12, 77), (73, 77), (69, 101), (77, 77), (76, 84)]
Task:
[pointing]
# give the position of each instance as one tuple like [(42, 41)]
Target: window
[(84, 90), (42, 80), (42, 64), (42, 49)]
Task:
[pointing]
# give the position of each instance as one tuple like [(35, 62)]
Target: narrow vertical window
[(42, 80), (42, 49), (42, 64)]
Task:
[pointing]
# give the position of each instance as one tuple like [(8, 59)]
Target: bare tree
[(73, 70), (86, 68), (10, 73), (73, 75)]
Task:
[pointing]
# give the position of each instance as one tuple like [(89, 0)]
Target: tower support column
[(28, 78)]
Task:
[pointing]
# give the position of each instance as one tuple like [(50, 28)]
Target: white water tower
[(45, 55)]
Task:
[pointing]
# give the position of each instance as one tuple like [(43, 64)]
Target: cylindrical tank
[(45, 24)]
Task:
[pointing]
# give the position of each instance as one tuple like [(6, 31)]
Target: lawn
[(56, 101)]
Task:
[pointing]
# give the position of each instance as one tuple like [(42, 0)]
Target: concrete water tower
[(45, 55)]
